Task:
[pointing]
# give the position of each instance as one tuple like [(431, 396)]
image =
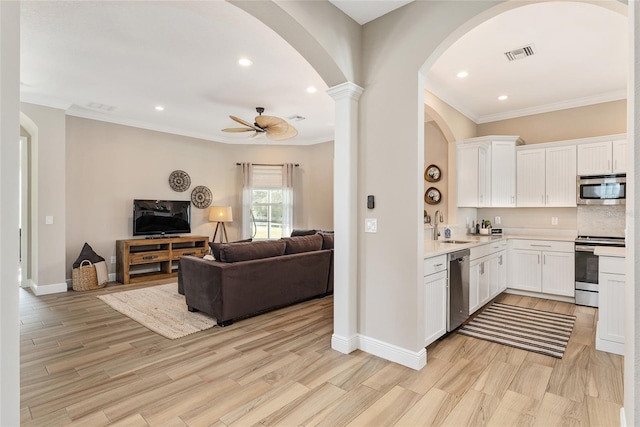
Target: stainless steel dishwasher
[(458, 309)]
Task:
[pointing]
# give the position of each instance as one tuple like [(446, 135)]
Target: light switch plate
[(370, 225), (48, 219), (497, 220), (554, 220)]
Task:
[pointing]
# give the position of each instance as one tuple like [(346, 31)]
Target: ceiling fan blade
[(246, 123), (290, 133), (238, 130), (267, 121)]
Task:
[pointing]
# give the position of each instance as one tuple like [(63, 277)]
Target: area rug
[(538, 331), (159, 308)]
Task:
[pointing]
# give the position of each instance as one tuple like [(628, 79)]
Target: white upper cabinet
[(487, 171), (531, 177), (619, 156), (561, 176), (602, 157), (546, 176), (503, 172), (594, 158), (473, 180)]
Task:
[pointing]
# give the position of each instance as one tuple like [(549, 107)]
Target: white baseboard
[(26, 284), (54, 288), (623, 418), (607, 345), (541, 295), (393, 353), (343, 344)]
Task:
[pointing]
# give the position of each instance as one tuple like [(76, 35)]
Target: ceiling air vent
[(520, 53)]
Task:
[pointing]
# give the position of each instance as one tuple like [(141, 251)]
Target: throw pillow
[(215, 247), (299, 244), (327, 240), (251, 250), (295, 233), (87, 252)]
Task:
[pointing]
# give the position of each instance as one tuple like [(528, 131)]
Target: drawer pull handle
[(437, 265), (542, 246), (150, 257), (188, 253)]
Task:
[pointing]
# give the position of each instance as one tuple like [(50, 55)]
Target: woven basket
[(84, 278)]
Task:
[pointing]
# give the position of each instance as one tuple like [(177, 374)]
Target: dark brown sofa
[(251, 278)]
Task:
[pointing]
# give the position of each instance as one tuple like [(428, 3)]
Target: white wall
[(48, 157), (109, 165)]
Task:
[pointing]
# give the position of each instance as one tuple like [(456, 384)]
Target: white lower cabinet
[(546, 267), (487, 274), (435, 298), (611, 280)]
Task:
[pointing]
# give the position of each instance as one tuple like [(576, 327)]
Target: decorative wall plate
[(432, 196), (432, 173), (201, 197), (179, 180)]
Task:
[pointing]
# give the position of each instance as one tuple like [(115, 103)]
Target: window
[(266, 205), (268, 201)]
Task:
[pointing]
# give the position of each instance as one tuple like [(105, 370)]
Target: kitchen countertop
[(610, 251), (441, 247)]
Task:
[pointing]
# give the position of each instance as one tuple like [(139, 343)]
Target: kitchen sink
[(455, 242)]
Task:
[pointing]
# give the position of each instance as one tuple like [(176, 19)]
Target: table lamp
[(220, 214)]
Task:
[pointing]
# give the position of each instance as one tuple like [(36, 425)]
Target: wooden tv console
[(140, 260)]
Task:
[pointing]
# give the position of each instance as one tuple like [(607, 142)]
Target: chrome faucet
[(436, 216)]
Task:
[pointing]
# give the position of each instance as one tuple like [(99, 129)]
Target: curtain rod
[(268, 164)]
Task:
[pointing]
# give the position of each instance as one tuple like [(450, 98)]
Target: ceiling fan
[(274, 128)]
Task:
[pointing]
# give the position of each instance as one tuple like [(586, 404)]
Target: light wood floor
[(82, 363)]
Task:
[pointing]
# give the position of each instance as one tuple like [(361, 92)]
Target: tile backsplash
[(601, 221)]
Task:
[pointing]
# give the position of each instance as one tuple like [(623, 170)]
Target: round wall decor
[(201, 197), (432, 173), (432, 196), (179, 180)]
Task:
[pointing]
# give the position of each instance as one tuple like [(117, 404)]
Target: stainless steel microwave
[(601, 189)]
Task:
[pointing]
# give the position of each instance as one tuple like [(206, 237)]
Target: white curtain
[(247, 185), (270, 177), (287, 198)]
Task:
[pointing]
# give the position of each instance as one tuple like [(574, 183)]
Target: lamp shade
[(220, 214)]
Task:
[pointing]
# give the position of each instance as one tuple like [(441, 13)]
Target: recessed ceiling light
[(312, 89), (502, 97), (462, 74), (159, 108), (245, 62)]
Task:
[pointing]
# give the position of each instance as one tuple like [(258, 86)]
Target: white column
[(9, 239), (631, 407), (345, 217)]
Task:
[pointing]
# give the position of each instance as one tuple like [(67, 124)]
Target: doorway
[(24, 211)]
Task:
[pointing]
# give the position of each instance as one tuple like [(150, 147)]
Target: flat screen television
[(160, 217)]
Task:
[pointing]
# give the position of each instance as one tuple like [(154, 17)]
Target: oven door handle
[(581, 248)]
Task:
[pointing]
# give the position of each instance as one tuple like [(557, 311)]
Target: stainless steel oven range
[(587, 267)]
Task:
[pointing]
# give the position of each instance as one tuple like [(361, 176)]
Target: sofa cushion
[(327, 240), (299, 244), (295, 233), (236, 252), (215, 247)]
